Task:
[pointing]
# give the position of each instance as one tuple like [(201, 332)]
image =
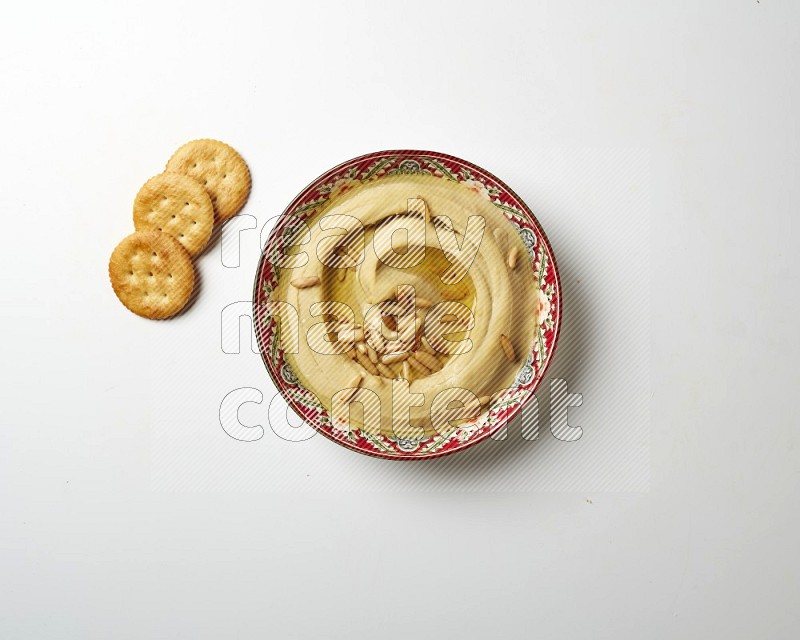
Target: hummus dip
[(443, 302)]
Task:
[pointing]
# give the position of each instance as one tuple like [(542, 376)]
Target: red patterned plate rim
[(369, 167)]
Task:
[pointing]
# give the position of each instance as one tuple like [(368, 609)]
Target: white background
[(93, 101)]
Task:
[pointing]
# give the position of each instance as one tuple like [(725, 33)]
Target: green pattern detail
[(541, 344), (438, 165), (273, 348), (543, 268), (437, 444), (310, 206), (300, 397), (375, 441), (506, 207), (371, 171)]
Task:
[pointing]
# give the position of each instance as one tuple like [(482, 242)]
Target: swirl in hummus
[(442, 295)]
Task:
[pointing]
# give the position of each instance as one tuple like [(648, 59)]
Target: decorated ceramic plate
[(407, 304)]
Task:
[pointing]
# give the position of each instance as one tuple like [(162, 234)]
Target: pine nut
[(472, 408), (395, 357), (512, 258), (364, 361), (508, 348), (304, 283), (373, 357), (428, 360), (426, 346), (353, 387), (380, 341), (385, 371), (416, 364)]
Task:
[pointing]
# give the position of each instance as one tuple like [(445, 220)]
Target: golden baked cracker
[(220, 169), (178, 205), (152, 274)]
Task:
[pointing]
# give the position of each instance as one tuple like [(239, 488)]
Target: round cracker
[(152, 274), (177, 205), (220, 169)]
